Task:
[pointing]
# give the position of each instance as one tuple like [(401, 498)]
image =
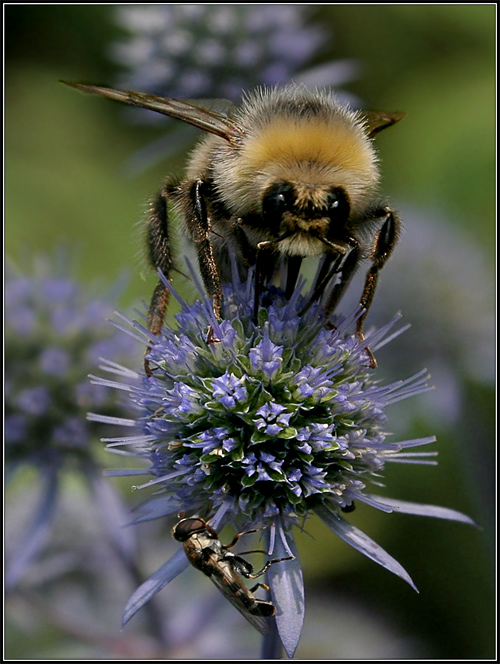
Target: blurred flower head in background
[(279, 418), (54, 335), (441, 279), (216, 52)]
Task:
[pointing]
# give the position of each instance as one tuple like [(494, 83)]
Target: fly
[(206, 552)]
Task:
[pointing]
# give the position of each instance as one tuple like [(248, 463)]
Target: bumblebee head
[(310, 215), (306, 143)]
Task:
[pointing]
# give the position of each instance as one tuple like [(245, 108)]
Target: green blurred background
[(65, 181)]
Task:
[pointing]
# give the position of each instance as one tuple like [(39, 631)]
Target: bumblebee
[(289, 174)]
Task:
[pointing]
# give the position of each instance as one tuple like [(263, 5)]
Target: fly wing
[(235, 591), (188, 111), (375, 121)]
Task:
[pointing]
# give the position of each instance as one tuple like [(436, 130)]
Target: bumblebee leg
[(264, 267), (292, 274), (237, 253), (382, 248), (260, 275), (198, 224), (347, 271), (258, 282), (328, 269), (160, 257)]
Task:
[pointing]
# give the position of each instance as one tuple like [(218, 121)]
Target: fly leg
[(246, 532), (245, 568), (328, 269), (255, 575)]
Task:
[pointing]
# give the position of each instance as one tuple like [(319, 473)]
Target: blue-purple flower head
[(54, 334), (216, 50), (261, 422)]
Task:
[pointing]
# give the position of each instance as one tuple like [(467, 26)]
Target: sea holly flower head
[(280, 417)]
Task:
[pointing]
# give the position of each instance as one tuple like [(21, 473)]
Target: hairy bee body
[(292, 137), (289, 174)]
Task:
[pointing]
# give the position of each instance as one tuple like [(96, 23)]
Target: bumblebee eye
[(338, 204), (278, 198)]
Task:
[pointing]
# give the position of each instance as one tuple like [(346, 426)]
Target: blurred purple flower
[(440, 272), (53, 331), (220, 50)]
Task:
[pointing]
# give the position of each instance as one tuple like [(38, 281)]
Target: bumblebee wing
[(234, 590), (219, 105), (375, 121), (204, 118)]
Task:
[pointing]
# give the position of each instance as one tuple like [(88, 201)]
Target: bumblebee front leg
[(264, 267), (347, 271), (382, 248), (198, 225)]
